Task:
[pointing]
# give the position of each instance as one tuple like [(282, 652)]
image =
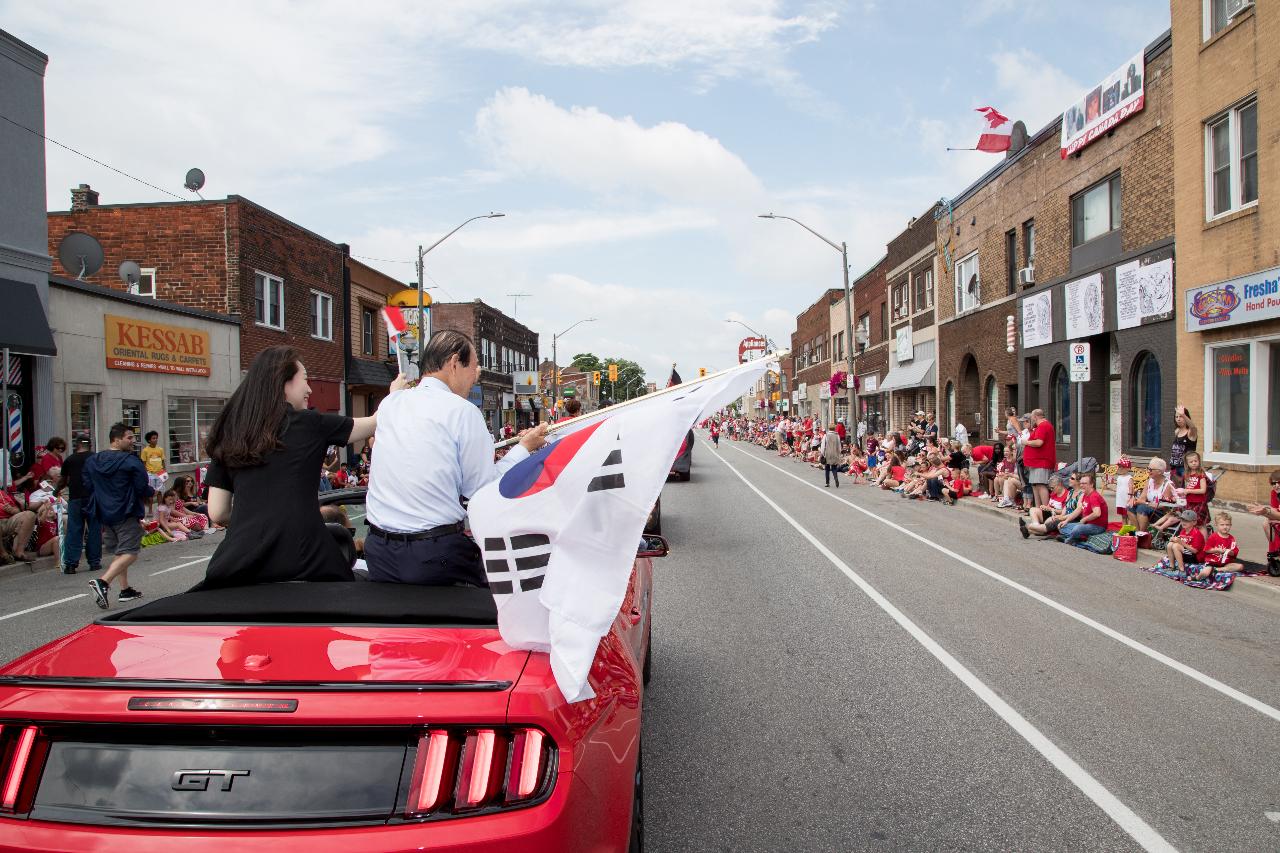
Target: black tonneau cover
[(358, 603)]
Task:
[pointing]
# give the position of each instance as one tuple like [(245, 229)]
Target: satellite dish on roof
[(130, 273), (80, 254), (194, 180)]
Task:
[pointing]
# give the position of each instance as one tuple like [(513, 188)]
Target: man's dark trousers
[(447, 560), (80, 524), (830, 471)]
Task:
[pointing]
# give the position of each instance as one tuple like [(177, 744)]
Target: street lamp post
[(424, 316), (843, 249), (769, 342), (555, 363)]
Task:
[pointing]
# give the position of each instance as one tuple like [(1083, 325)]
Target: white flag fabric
[(559, 530)]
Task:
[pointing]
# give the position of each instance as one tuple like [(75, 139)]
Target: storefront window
[(1231, 399), (1060, 404), (1146, 406), (131, 416), (189, 421), (84, 419), (1273, 404)]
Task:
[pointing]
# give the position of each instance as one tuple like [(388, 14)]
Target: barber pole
[(1010, 335), (15, 429), (15, 370)]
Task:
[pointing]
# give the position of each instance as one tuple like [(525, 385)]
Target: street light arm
[(456, 230), (768, 341), (571, 328), (830, 243)]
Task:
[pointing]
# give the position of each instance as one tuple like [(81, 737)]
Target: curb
[(41, 564)]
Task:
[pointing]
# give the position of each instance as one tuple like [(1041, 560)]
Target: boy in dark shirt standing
[(83, 530)]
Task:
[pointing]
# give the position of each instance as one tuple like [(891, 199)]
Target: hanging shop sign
[(149, 347), (1112, 101), (1246, 299)]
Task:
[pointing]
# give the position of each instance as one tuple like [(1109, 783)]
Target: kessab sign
[(133, 344)]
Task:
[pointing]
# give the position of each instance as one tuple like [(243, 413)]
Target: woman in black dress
[(265, 449)]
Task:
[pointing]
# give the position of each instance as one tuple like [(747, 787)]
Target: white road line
[(1124, 817), (1195, 674), (181, 566), (43, 606)]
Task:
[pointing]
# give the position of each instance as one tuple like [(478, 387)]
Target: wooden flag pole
[(682, 386)]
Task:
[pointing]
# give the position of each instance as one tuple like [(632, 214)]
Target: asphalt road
[(845, 670)]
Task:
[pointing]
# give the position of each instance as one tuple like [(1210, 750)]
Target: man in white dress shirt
[(434, 451)]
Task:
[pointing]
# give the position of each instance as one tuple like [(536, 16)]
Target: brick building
[(912, 270), (811, 349), (506, 347), (871, 337), (370, 365), (1060, 245), (1227, 186), (1104, 234), (233, 257)]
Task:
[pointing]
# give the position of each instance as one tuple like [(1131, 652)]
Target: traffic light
[(595, 377), (702, 371), (613, 373)]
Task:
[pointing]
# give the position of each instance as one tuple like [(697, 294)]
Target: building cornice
[(26, 259), (22, 53)]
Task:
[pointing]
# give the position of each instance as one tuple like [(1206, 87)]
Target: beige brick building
[(1227, 87)]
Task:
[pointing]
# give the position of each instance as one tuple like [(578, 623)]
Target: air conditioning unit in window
[(1027, 275), (1235, 7)]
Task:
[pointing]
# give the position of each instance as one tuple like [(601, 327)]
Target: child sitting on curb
[(1221, 550)]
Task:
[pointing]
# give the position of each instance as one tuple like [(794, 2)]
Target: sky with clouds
[(630, 144)]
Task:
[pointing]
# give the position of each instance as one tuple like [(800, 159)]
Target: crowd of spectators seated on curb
[(1020, 471)]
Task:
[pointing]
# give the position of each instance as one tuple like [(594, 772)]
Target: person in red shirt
[(959, 485), (1188, 546), (1221, 550), (16, 525), (1040, 455), (1093, 513), (1195, 487), (715, 433), (840, 431)]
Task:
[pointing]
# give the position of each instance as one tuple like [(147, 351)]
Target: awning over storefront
[(24, 329), (914, 375), (361, 371)]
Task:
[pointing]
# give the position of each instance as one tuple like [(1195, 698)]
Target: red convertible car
[(321, 717)]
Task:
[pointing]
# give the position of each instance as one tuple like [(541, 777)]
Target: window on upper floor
[(923, 286), (321, 316), (1029, 243), (1096, 211), (268, 300), (146, 285), (901, 298), (968, 284), (1011, 260), (884, 321), (863, 331), (1218, 14), (366, 331), (1231, 159)]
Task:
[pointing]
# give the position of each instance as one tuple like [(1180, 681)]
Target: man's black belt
[(431, 533)]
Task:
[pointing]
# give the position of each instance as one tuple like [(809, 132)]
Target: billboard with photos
[(1115, 99)]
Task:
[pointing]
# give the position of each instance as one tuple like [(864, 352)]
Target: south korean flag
[(559, 530)]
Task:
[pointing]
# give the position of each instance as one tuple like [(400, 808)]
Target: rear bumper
[(565, 822)]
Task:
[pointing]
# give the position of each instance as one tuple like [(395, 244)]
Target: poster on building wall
[(149, 347), (1084, 306), (1115, 99), (902, 343), (1144, 293), (1037, 320)]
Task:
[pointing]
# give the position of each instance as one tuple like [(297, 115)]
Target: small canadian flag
[(995, 136), (394, 317)]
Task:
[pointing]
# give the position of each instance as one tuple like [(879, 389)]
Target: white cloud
[(719, 38), (529, 133), (1034, 90)]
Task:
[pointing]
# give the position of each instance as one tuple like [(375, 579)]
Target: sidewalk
[(1246, 527), (44, 564)]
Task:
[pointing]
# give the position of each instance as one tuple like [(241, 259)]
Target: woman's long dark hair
[(249, 426)]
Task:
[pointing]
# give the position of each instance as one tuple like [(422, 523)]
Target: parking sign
[(1079, 362)]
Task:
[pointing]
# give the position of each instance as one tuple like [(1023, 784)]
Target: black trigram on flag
[(610, 476), (516, 563)]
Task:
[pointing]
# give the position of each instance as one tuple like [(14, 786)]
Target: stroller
[(1086, 465)]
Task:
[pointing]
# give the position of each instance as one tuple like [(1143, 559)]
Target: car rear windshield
[(354, 603)]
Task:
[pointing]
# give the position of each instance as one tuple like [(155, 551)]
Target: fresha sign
[(133, 344)]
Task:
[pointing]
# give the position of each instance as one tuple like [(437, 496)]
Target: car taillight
[(18, 745), (464, 771)]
